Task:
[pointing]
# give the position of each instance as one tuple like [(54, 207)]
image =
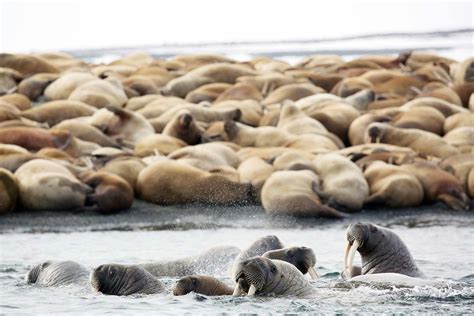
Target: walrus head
[(375, 132), (302, 258), (116, 279), (252, 275), (362, 237), (186, 285)]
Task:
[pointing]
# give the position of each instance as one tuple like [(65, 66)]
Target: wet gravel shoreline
[(150, 217)]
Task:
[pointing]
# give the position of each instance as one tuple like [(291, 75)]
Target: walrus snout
[(184, 286)]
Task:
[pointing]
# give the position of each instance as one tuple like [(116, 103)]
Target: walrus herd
[(319, 138), (266, 267)]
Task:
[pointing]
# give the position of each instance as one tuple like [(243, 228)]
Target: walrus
[(112, 193), (57, 273), (302, 258), (34, 138), (169, 182), (439, 185), (443, 106), (8, 191), (116, 121), (183, 126), (163, 144), (213, 261), (255, 171), (292, 91), (88, 132), (461, 138), (55, 112), (393, 186), (34, 86), (117, 279), (26, 64), (100, 93), (201, 284), (343, 184), (382, 251), (251, 110), (293, 161), (421, 141), (62, 87), (294, 193), (259, 247), (18, 100), (208, 92), (458, 120), (46, 185), (208, 157), (263, 276), (241, 92), (212, 73)]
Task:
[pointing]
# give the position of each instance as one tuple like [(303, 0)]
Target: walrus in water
[(201, 284), (302, 258), (56, 273), (382, 251), (263, 276), (258, 248), (117, 279), (215, 260)]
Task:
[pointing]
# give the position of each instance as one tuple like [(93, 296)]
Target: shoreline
[(145, 216)]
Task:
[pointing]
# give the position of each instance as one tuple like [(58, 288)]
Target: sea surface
[(440, 240)]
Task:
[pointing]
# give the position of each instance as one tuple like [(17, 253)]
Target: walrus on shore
[(183, 126), (201, 284), (292, 91), (212, 73), (87, 132), (382, 251), (100, 93), (294, 193), (26, 64), (112, 194), (170, 182), (117, 279), (8, 191), (33, 87), (46, 185), (61, 88), (421, 141), (343, 183), (163, 144), (303, 258), (213, 261), (55, 112), (57, 273), (393, 186), (263, 276), (439, 185)]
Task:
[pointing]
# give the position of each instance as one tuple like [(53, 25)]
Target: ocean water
[(441, 242)]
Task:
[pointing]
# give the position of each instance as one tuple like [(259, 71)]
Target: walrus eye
[(111, 273), (273, 269), (291, 254), (194, 281)]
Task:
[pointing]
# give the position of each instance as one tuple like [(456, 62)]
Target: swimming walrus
[(382, 251), (258, 248), (117, 279), (201, 284), (303, 258), (56, 273), (263, 276), (215, 260)]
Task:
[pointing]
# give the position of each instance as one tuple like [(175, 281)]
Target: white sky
[(27, 25)]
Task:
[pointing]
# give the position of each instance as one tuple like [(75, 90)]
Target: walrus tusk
[(349, 254), (237, 290), (252, 290), (377, 140), (313, 273)]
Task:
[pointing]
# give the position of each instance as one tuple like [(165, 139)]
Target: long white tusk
[(237, 290), (252, 290), (313, 273), (377, 139), (349, 255)]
